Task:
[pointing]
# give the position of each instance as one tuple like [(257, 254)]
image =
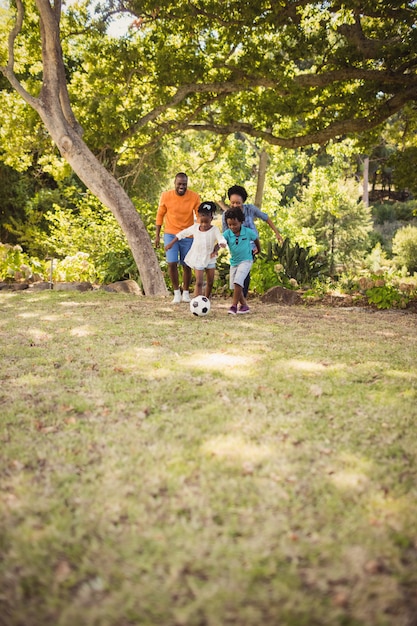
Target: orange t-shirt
[(178, 212)]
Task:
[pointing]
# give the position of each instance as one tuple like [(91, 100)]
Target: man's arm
[(160, 216), (157, 235)]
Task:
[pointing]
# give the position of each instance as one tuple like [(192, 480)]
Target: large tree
[(291, 73), (52, 103)]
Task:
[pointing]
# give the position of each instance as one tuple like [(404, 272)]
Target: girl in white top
[(207, 239)]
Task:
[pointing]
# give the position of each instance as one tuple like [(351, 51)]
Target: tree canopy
[(292, 73), (288, 73)]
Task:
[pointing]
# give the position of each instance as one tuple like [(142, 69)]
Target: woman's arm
[(275, 229)]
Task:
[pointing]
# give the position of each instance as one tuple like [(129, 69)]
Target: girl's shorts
[(239, 272), (179, 250), (210, 266)]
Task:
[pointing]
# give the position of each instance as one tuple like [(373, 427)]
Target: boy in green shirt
[(239, 240)]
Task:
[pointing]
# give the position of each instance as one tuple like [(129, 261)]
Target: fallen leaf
[(248, 468), (62, 571), (340, 598), (48, 429), (374, 566), (316, 391)]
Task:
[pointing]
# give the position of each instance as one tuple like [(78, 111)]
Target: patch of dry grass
[(157, 468)]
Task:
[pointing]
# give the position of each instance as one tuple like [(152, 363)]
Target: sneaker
[(232, 310), (243, 309), (186, 296), (177, 298)]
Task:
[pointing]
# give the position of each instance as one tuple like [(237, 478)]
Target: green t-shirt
[(240, 247)]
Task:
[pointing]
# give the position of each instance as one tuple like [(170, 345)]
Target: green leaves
[(297, 262)]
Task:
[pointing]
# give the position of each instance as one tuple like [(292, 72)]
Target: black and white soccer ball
[(200, 306)]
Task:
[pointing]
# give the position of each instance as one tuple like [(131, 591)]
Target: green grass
[(161, 469)]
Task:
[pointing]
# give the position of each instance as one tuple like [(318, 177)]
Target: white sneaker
[(177, 297), (186, 296)]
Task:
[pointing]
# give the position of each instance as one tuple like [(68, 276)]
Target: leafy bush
[(377, 260), (404, 247), (32, 230), (286, 265), (383, 213), (297, 262), (83, 237), (405, 211), (74, 268), (264, 275), (89, 238), (386, 297), (15, 265), (386, 290), (393, 211), (118, 265)]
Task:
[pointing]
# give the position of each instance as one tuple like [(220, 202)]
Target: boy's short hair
[(207, 208), (239, 191), (236, 213)]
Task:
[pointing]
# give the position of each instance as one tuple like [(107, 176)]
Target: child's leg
[(209, 281), (199, 280), (237, 294), (239, 276), (242, 298)]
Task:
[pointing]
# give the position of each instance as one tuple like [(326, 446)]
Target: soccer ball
[(200, 306)]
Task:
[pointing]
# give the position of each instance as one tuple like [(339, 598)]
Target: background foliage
[(137, 95)]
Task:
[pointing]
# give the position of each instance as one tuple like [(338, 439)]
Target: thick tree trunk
[(53, 106), (112, 195)]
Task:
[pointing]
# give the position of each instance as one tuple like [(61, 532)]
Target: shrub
[(385, 290), (298, 262), (377, 259), (383, 213), (88, 243), (266, 274), (394, 211), (404, 247), (15, 265), (386, 297), (75, 268)]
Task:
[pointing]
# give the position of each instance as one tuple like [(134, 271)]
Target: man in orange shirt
[(177, 210)]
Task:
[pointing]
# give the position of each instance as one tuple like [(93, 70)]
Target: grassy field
[(162, 469)]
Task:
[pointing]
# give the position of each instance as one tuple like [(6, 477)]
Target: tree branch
[(54, 93), (369, 49), (336, 129), (8, 70), (303, 80)]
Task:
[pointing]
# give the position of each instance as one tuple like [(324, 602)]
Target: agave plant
[(297, 262)]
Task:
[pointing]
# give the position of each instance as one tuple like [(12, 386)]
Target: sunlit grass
[(157, 468)]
